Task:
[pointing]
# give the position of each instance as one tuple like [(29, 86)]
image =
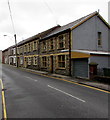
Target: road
[(29, 95)]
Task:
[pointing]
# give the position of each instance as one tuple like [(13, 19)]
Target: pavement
[(88, 82), (0, 93), (0, 104)]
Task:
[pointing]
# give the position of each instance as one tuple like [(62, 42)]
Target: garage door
[(80, 68)]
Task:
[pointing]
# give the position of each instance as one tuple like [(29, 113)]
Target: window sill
[(60, 48), (51, 50), (61, 68), (43, 51), (34, 50), (44, 67)]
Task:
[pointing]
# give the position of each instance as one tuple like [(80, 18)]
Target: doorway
[(25, 62), (51, 64)]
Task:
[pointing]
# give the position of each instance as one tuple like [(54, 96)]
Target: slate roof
[(70, 25), (58, 29), (76, 23), (39, 35)]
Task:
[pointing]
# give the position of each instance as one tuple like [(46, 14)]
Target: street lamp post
[(15, 49)]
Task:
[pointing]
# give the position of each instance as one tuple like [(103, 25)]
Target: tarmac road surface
[(29, 95)]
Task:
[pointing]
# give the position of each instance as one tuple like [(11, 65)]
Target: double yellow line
[(88, 86), (3, 101)]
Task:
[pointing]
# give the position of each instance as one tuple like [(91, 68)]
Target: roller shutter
[(80, 68)]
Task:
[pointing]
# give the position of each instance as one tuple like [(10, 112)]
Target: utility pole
[(14, 33)]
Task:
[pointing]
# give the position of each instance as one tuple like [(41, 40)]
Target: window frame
[(44, 46), (51, 41), (99, 38), (61, 62), (29, 61), (35, 60), (29, 47), (61, 41)]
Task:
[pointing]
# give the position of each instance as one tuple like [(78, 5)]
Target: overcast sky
[(33, 16)]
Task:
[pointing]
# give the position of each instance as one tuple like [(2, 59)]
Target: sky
[(34, 16)]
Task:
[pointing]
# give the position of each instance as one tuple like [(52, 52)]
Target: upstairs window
[(44, 46), (34, 45), (29, 46), (11, 51), (25, 48), (21, 50), (61, 42), (61, 61), (17, 50), (99, 38), (51, 44), (14, 51)]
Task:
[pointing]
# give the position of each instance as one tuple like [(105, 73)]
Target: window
[(51, 44), (29, 47), (99, 38), (61, 61), (44, 46), (35, 60), (35, 45), (61, 42), (29, 60), (11, 51), (21, 60), (14, 60), (17, 50), (25, 48), (44, 61), (21, 50), (14, 51)]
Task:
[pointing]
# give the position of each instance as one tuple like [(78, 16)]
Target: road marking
[(94, 88), (66, 93), (31, 78), (3, 101)]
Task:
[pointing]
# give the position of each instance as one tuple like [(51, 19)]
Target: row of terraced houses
[(66, 50)]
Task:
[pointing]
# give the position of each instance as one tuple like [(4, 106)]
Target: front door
[(51, 64), (25, 62)]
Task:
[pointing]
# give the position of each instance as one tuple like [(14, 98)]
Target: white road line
[(67, 93), (30, 78)]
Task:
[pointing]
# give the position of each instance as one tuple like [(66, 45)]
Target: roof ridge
[(93, 13)]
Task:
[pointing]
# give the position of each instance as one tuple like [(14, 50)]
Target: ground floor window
[(44, 61), (61, 61), (21, 60), (29, 60), (14, 61), (35, 60)]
